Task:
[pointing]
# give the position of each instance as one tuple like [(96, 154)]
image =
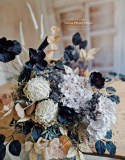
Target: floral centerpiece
[(57, 104)]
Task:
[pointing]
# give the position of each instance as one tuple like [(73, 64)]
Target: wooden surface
[(118, 129)]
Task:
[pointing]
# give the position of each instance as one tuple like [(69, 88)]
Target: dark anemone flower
[(36, 60), (66, 115), (97, 80), (9, 49)]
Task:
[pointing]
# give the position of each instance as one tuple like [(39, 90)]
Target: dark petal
[(29, 65), (39, 66), (96, 80), (76, 39), (70, 47), (16, 49), (4, 44), (65, 115), (36, 55), (76, 56), (32, 52), (68, 55), (100, 83), (83, 44), (6, 57)]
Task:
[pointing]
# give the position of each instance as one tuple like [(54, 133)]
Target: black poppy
[(9, 49), (66, 115), (96, 80), (36, 60)]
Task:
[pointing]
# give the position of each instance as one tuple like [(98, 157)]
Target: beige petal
[(57, 39), (93, 51), (63, 130), (54, 29), (85, 148), (20, 111), (50, 55), (83, 53), (15, 115), (89, 57), (7, 113), (28, 146), (68, 69), (76, 71), (80, 156), (50, 39), (30, 109), (33, 155), (26, 118), (53, 46), (72, 152)]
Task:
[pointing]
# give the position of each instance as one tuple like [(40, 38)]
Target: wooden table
[(118, 129)]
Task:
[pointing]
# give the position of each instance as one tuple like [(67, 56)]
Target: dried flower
[(37, 89), (75, 90), (106, 116), (9, 49), (36, 60), (96, 80), (46, 112)]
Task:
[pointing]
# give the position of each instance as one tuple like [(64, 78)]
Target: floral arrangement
[(57, 104)]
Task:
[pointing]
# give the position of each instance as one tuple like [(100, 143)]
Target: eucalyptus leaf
[(15, 148), (100, 147), (2, 151), (111, 148), (114, 98), (110, 90), (109, 134)]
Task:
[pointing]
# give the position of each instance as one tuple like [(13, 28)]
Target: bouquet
[(58, 105)]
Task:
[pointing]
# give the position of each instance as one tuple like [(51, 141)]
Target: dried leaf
[(55, 29), (80, 156), (7, 113), (93, 51), (63, 130), (72, 152), (30, 109), (68, 69), (56, 150), (53, 46), (20, 111), (84, 147), (66, 143), (57, 39), (33, 155), (83, 53), (40, 145), (28, 146), (50, 39), (26, 118), (50, 54), (76, 71), (89, 57)]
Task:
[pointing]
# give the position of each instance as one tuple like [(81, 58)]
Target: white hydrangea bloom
[(107, 109), (75, 90), (37, 89), (46, 113)]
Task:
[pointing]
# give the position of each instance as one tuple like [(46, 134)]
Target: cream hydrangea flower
[(37, 89), (107, 109), (46, 113)]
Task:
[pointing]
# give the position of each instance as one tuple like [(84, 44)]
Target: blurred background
[(104, 27)]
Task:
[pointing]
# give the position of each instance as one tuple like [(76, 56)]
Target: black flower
[(9, 49), (36, 60), (97, 80), (66, 115)]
